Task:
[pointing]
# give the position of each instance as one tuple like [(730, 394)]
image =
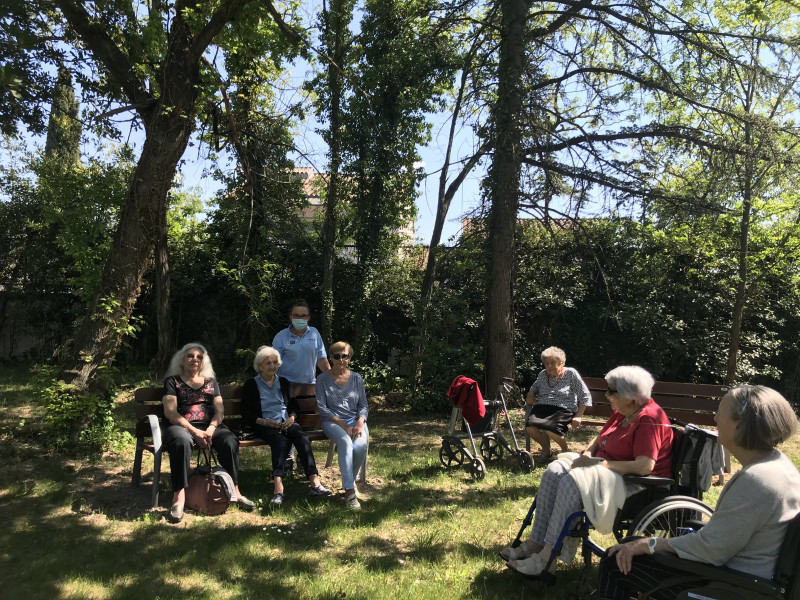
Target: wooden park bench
[(150, 412), (695, 403)]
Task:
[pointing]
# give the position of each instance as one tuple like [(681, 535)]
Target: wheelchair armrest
[(648, 480), (708, 573)]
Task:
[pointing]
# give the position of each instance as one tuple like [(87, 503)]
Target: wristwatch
[(651, 544)]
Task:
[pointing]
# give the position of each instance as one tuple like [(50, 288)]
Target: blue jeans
[(351, 453)]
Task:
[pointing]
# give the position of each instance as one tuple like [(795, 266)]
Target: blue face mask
[(299, 324)]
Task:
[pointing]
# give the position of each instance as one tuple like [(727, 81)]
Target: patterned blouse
[(566, 391), (195, 405)]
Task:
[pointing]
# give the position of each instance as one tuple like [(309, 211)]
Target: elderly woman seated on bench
[(270, 412), (194, 409), (748, 526), (636, 439), (561, 397)]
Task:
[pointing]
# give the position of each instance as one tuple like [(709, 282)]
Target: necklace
[(558, 379), (632, 417)]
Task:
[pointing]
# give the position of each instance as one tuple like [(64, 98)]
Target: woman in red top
[(636, 439)]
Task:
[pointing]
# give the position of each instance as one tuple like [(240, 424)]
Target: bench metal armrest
[(155, 431)]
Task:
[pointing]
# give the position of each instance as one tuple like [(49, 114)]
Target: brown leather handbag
[(206, 493)]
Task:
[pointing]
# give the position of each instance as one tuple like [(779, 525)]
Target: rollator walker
[(467, 403)]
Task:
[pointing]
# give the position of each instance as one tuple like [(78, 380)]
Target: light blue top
[(272, 406), (299, 354), (348, 402)]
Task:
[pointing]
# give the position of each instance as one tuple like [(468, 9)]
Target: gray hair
[(766, 418), (554, 352), (631, 383), (262, 353), (176, 364)]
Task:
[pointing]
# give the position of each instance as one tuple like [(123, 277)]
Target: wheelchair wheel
[(671, 517), (477, 468), (451, 455), (491, 450), (525, 460)]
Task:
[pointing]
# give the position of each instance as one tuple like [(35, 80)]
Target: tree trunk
[(163, 302), (169, 120), (337, 21), (504, 195), (744, 242), (107, 319)]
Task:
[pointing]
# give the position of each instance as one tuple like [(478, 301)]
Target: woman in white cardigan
[(636, 439)]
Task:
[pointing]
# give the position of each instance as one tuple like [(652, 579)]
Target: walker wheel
[(477, 468), (525, 460), (450, 456), (491, 450)]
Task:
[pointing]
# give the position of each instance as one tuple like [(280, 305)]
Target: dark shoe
[(277, 501), (245, 503), (320, 490), (176, 513), (352, 502)]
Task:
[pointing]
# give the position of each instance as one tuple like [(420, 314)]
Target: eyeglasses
[(341, 356), (296, 316), (269, 362), (611, 392), (200, 356)]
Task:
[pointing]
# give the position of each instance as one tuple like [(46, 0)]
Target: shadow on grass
[(52, 553)]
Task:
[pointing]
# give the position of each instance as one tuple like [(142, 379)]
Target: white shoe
[(534, 565), (518, 553), (569, 548)]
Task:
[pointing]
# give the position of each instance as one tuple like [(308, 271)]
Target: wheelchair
[(721, 583), (454, 452), (666, 507)]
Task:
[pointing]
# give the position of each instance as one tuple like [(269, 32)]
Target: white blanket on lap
[(602, 491)]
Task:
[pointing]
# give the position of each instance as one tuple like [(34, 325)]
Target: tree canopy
[(652, 148)]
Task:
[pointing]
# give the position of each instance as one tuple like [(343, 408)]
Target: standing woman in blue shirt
[(301, 348), (342, 403), (267, 408)]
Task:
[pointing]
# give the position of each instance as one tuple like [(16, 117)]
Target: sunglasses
[(340, 356)]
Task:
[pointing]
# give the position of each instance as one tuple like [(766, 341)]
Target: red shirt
[(649, 435)]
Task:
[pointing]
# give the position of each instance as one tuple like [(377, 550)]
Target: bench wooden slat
[(668, 403)]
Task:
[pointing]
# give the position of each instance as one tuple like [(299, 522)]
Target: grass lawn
[(74, 528)]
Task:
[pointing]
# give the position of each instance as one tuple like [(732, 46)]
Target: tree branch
[(106, 52)]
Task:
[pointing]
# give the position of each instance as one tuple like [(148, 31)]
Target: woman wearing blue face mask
[(301, 348)]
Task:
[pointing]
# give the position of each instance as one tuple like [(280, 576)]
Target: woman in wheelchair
[(748, 526), (636, 439)]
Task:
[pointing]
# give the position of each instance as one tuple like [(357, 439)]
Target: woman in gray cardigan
[(747, 528)]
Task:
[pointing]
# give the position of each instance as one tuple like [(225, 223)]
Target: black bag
[(207, 493), (246, 433)]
